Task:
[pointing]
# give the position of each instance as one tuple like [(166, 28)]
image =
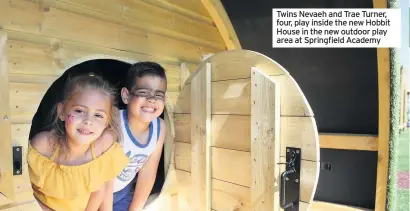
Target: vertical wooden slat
[(184, 74), (201, 138), (383, 73), (6, 162), (265, 142)]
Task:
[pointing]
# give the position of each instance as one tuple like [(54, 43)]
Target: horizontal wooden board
[(228, 196), (193, 6), (230, 65), (300, 132), (348, 141), (191, 9), (24, 197), (233, 132), (20, 132), (65, 50), (37, 79), (235, 167), (32, 206), (228, 97), (228, 131), (53, 23), (26, 92), (183, 156), (233, 97), (23, 95), (324, 206), (33, 60), (23, 114), (225, 195), (24, 100), (138, 14), (231, 166), (182, 123)]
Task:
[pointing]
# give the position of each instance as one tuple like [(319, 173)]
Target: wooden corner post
[(6, 157), (201, 138)]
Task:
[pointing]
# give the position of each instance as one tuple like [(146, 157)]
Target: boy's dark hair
[(141, 69)]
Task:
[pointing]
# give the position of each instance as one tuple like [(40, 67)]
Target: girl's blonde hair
[(79, 83)]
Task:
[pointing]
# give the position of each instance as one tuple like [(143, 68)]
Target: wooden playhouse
[(242, 135)]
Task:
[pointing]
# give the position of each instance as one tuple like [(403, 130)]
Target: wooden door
[(238, 119)]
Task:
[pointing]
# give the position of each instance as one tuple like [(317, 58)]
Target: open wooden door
[(245, 137)]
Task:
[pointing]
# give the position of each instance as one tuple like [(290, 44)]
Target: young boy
[(143, 134)]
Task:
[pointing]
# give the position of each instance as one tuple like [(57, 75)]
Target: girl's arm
[(96, 199), (147, 175), (102, 199), (107, 203)]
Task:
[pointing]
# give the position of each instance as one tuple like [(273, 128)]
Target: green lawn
[(403, 151), (403, 168)]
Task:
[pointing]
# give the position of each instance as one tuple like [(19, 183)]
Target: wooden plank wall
[(45, 37)]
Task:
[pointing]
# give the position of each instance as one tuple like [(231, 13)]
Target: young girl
[(73, 165)]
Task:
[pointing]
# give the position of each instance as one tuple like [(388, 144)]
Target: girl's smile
[(86, 116)]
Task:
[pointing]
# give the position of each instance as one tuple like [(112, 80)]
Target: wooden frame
[(383, 69), (6, 162), (348, 142), (222, 22)]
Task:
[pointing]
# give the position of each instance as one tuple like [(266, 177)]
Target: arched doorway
[(115, 72)]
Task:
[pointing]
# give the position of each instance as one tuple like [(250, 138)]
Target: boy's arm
[(147, 174)]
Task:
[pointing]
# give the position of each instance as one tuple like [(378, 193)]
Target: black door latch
[(290, 180)]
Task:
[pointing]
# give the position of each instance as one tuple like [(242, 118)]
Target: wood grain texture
[(265, 141)]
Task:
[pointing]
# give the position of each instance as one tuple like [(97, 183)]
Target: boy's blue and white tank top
[(138, 153)]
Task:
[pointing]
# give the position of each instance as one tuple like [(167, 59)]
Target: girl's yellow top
[(69, 188)]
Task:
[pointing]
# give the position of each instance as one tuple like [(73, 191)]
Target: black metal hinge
[(17, 160)]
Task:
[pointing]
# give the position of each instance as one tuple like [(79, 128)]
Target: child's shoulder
[(44, 143), (105, 141), (163, 130)]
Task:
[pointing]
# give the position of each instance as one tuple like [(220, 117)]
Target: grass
[(403, 194), (403, 151)]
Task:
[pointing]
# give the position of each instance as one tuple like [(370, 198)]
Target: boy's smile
[(147, 100)]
